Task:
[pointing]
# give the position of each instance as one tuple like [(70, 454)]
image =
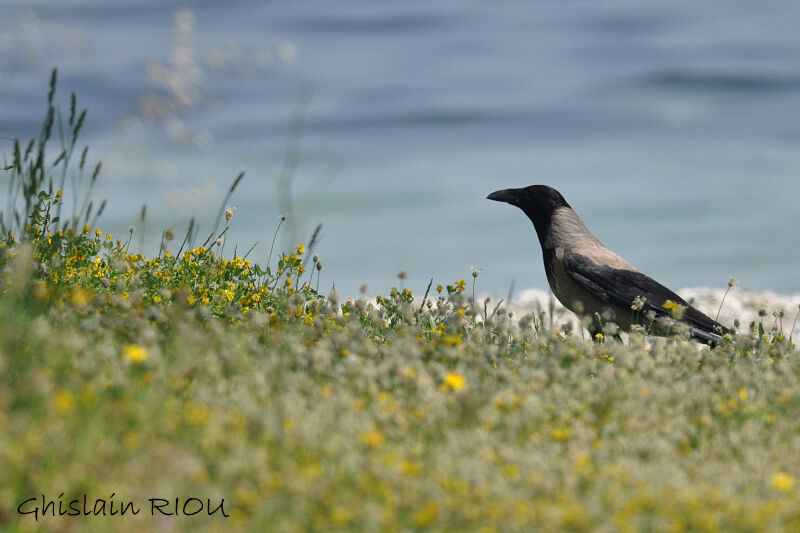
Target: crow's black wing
[(621, 287)]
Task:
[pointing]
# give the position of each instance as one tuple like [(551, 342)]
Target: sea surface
[(672, 127)]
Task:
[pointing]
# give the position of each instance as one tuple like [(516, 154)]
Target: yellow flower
[(288, 282), (372, 439), (63, 402), (411, 468), (461, 285), (511, 471), (782, 481), (79, 297), (340, 516), (560, 433), (452, 340), (135, 353), (582, 462), (427, 514), (455, 381), (198, 415), (97, 232), (675, 309)]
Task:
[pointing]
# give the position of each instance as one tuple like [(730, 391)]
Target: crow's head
[(539, 202)]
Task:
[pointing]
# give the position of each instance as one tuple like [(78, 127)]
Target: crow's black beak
[(508, 196)]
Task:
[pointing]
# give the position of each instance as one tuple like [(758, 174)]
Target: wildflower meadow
[(269, 402)]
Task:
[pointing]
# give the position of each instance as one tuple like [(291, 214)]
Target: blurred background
[(672, 127)]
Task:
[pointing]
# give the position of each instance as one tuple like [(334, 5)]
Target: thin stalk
[(272, 246), (716, 318), (224, 204), (187, 237), (794, 324)]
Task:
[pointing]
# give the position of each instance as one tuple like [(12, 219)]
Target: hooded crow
[(591, 280)]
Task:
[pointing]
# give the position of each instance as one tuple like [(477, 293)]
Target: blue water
[(673, 128)]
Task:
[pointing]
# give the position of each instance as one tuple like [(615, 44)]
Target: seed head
[(732, 282), (319, 265), (476, 273), (402, 274), (131, 229), (229, 212), (638, 303)]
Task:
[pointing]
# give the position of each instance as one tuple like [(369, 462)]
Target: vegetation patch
[(205, 378)]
